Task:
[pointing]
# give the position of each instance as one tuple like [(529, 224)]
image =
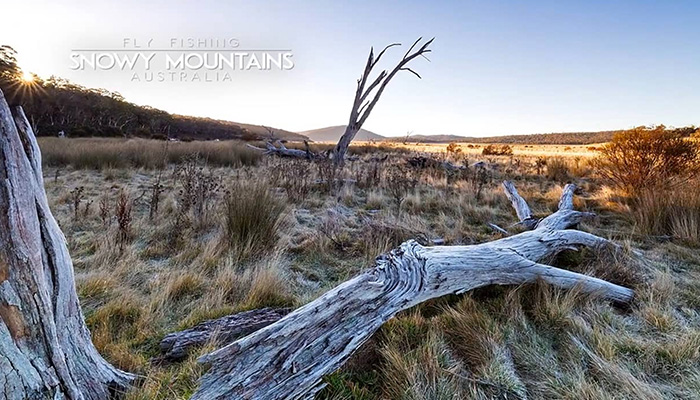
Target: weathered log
[(221, 331), (283, 151), (520, 205), (565, 216), (287, 360), (45, 347)]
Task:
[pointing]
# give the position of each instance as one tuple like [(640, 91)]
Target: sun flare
[(27, 77)]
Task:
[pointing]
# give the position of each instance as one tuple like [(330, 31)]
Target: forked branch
[(367, 95)]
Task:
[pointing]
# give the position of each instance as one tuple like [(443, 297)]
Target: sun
[(27, 77)]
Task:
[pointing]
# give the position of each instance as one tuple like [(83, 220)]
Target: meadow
[(165, 235)]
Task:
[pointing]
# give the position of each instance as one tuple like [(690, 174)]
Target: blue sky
[(497, 67)]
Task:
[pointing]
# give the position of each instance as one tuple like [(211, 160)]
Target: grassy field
[(166, 235)]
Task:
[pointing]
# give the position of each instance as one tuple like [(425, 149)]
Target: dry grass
[(272, 240), (675, 212), (101, 154), (252, 218)]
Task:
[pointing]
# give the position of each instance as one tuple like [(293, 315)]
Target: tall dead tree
[(45, 348), (287, 359), (362, 106)]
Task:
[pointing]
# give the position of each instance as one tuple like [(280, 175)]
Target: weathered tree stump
[(45, 348)]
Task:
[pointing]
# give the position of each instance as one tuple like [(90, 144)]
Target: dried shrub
[(453, 148), (558, 169), (123, 214), (198, 188), (540, 163), (495, 150), (76, 197), (295, 177), (399, 181), (648, 157), (478, 177), (328, 173)]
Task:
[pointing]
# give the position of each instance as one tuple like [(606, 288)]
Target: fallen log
[(221, 331), (287, 359), (282, 150)]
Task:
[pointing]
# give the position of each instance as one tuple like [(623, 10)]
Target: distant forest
[(570, 138), (551, 138), (55, 104), (567, 138)]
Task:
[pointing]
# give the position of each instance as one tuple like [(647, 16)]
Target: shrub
[(558, 169), (495, 150), (453, 148), (252, 217), (648, 157), (399, 182)]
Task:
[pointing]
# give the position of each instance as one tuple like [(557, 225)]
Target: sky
[(497, 67)]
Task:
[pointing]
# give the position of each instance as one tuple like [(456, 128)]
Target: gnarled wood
[(361, 106), (283, 151), (286, 360), (221, 331), (45, 347)]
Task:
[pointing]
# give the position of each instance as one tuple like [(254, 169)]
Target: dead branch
[(362, 106)]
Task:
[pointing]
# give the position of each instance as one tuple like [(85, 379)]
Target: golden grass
[(534, 341), (670, 212), (103, 153)]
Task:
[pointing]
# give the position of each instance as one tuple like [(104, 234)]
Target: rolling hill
[(333, 133)]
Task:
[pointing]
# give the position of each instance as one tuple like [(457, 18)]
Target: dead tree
[(287, 359), (45, 347), (361, 105)]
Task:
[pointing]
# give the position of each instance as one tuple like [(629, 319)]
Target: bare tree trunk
[(287, 359), (361, 106), (45, 348)]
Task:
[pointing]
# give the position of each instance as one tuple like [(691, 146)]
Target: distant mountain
[(538, 138), (333, 133)]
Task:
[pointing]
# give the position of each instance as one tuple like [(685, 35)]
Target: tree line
[(56, 105)]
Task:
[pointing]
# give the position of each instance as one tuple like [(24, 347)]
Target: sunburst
[(25, 86), (27, 77)]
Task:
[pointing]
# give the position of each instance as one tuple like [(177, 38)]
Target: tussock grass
[(252, 218), (269, 239), (675, 212), (105, 154)]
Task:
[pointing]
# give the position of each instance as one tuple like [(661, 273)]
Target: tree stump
[(45, 348)]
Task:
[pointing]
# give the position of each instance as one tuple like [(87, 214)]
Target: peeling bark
[(287, 360), (45, 347)]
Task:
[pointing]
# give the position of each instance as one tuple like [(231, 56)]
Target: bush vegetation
[(649, 158), (495, 150), (275, 234)]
